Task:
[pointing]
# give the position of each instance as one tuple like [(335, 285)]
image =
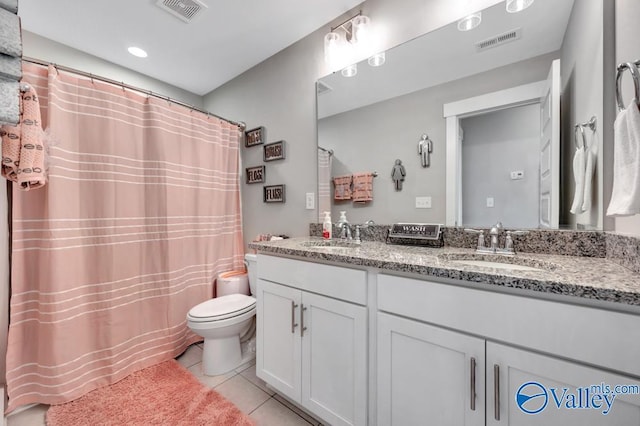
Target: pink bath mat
[(165, 394)]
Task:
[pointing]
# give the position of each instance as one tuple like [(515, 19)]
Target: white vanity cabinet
[(428, 334), (312, 337), (514, 368), (428, 375)]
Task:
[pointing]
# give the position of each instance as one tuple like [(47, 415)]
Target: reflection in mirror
[(380, 115)]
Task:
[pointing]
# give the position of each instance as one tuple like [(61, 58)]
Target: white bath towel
[(625, 196), (590, 166), (578, 176)]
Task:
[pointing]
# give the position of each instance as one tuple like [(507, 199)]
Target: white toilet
[(224, 320)]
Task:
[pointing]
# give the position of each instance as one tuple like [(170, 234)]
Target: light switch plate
[(310, 200), (489, 201), (423, 202)]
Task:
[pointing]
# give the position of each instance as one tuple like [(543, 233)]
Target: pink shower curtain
[(140, 212)]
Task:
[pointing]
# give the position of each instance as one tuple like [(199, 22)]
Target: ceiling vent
[(323, 88), (185, 10), (499, 40)]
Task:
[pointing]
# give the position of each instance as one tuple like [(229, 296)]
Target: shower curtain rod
[(240, 124)]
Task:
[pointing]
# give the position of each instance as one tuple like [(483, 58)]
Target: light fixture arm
[(348, 21)]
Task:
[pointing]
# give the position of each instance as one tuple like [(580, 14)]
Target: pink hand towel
[(342, 187), (362, 187), (23, 145)]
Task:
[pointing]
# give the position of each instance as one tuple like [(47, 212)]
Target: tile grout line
[(252, 411), (294, 412)]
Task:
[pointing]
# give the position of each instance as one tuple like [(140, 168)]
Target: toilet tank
[(232, 282), (251, 261)]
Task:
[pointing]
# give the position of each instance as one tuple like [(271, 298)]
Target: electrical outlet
[(517, 175), (489, 201), (423, 202), (311, 201)]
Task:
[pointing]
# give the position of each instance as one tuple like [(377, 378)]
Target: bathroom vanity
[(395, 335)]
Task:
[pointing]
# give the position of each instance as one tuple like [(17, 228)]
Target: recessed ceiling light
[(470, 22), (136, 51), (514, 6)]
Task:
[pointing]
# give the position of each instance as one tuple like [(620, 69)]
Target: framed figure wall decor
[(255, 174), (274, 193), (254, 137), (274, 151)]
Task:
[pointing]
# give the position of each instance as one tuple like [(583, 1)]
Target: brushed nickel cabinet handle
[(496, 391), (473, 384), (293, 317), (302, 327)]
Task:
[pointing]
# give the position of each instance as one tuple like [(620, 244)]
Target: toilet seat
[(222, 308)]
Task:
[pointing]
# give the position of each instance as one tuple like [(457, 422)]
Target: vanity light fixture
[(350, 70), (347, 42), (514, 6), (470, 22), (136, 51), (377, 60)]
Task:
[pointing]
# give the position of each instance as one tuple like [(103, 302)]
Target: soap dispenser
[(327, 226)]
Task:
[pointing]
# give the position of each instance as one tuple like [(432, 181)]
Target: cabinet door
[(425, 375), (539, 384), (334, 360), (278, 337)]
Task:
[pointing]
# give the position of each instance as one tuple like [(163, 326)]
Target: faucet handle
[(508, 242), (481, 243), (356, 236)]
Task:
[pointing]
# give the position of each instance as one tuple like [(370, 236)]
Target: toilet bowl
[(224, 320)]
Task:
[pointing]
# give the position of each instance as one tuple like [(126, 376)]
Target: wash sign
[(533, 397)]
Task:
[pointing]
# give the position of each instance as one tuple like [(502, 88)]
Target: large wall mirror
[(499, 104)]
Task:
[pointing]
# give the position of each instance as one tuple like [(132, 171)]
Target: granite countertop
[(584, 277)]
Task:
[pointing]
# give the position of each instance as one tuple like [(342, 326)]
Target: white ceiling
[(223, 41), (448, 54)]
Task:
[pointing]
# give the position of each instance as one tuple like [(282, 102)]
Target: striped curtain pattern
[(140, 212), (324, 183)]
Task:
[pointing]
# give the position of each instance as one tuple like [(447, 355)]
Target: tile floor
[(241, 386)]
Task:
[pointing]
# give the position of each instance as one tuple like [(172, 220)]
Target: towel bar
[(633, 69)]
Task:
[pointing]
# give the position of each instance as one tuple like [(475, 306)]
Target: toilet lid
[(225, 306)]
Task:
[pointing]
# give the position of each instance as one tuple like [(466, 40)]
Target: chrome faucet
[(494, 247), (345, 232), (495, 233)]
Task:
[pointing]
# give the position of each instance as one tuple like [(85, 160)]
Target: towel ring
[(575, 137), (633, 69)]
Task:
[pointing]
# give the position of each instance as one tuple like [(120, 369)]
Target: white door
[(278, 337), (539, 383), (425, 375), (334, 360), (550, 149)]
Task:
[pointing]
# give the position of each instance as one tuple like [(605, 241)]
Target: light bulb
[(360, 29), (470, 22), (514, 6), (136, 51), (332, 48)]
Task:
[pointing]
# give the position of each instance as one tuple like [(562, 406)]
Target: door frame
[(453, 112)]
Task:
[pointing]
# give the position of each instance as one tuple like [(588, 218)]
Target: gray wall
[(280, 95), (38, 47), (581, 67), (627, 49), (372, 137), (494, 145)]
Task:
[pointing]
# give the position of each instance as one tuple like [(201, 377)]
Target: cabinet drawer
[(333, 281), (591, 335)]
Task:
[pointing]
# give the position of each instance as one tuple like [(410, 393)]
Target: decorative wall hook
[(425, 147)]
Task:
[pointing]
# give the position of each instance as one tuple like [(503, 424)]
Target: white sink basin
[(507, 263), (498, 265)]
